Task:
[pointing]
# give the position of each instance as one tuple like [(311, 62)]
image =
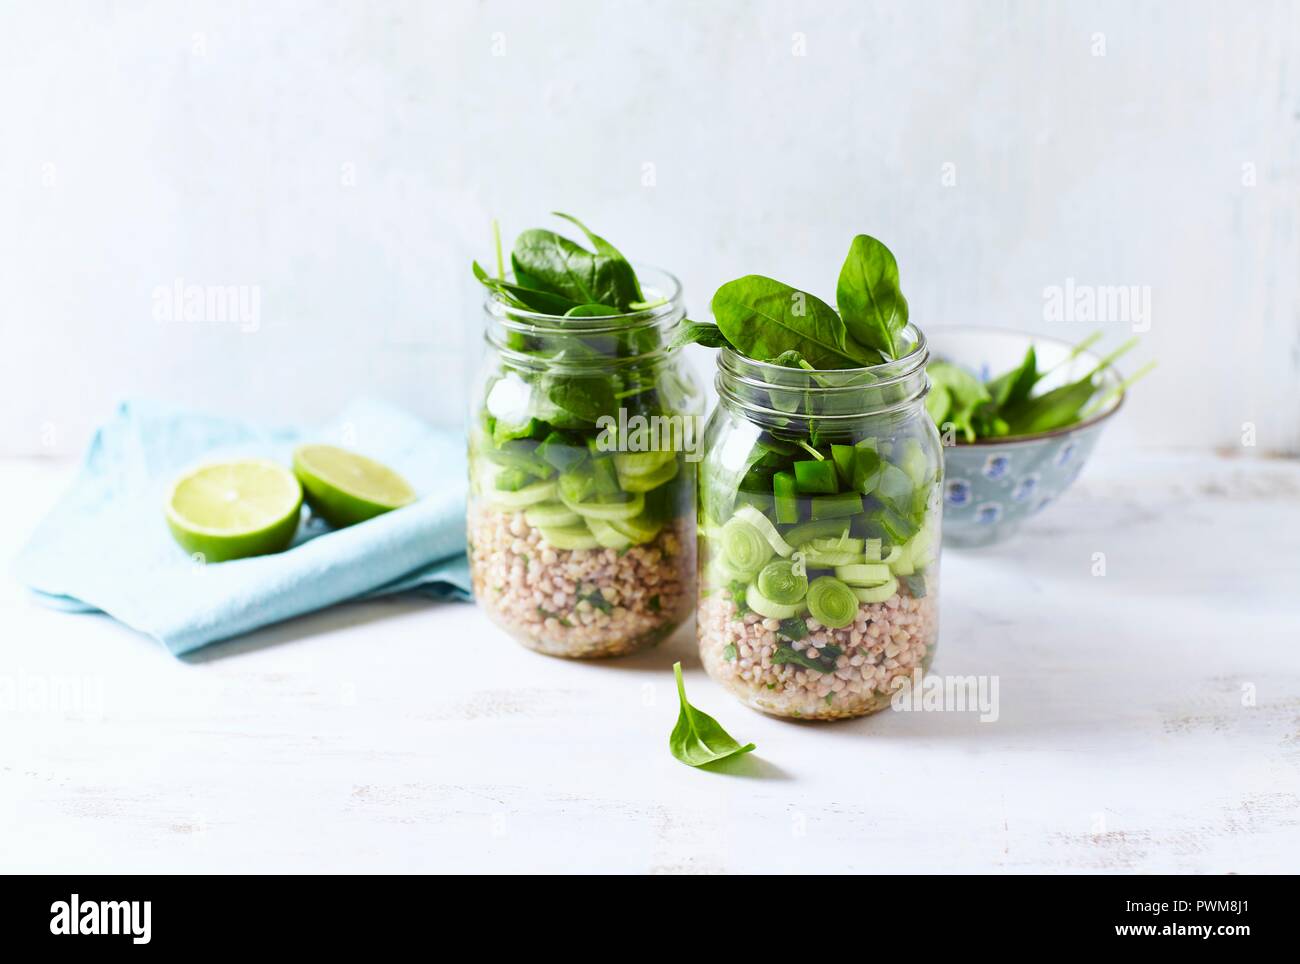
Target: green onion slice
[(781, 583), (743, 546), (832, 603)]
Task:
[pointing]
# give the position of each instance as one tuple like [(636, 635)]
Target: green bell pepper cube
[(813, 476), (840, 505), (866, 466), (785, 494), (842, 456)]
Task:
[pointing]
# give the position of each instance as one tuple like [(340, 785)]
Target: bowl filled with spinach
[(819, 494), (581, 507), (1019, 415)]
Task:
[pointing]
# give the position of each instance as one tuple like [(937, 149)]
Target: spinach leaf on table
[(763, 318), (869, 298), (698, 739)]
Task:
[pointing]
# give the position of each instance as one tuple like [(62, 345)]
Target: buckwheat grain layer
[(881, 648), (580, 603)]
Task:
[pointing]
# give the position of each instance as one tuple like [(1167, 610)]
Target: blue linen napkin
[(106, 546)]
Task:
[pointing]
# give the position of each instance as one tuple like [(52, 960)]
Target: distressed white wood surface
[(405, 736)]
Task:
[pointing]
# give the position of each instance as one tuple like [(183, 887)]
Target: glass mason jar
[(819, 514), (582, 476)]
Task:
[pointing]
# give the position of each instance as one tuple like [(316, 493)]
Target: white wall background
[(347, 159)]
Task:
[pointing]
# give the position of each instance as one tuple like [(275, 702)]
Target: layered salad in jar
[(819, 496), (581, 515)]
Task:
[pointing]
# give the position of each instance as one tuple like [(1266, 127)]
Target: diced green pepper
[(843, 456), (913, 462), (520, 454), (837, 506), (784, 491), (759, 500), (866, 466), (506, 431), (606, 477), (558, 451), (577, 485), (898, 527), (895, 488), (512, 480), (813, 476)]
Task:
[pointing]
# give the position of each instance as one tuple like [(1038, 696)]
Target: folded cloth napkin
[(106, 545)]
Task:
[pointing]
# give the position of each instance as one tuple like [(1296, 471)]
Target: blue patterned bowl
[(992, 486)]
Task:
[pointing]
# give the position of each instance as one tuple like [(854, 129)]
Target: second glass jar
[(819, 516)]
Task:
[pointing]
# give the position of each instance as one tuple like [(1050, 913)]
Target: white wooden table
[(1149, 721)]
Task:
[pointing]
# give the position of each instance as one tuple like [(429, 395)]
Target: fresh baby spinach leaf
[(552, 262), (770, 321), (1007, 406), (763, 318), (794, 628), (607, 250), (698, 739), (965, 394), (869, 298), (524, 296), (1059, 407), (695, 333), (822, 660)]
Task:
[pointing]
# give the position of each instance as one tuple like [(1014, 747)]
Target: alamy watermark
[(236, 305), (1129, 304), (919, 693), (651, 433)]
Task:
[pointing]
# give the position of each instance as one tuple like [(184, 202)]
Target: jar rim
[(739, 375), (893, 370)]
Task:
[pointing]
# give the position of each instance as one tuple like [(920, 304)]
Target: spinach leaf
[(763, 318), (794, 628), (548, 260), (698, 739), (695, 333), (915, 584), (822, 660), (1054, 409), (1015, 385), (569, 401), (869, 298), (1006, 405), (522, 295), (791, 359), (597, 600), (966, 394), (590, 311), (607, 250), (939, 402)]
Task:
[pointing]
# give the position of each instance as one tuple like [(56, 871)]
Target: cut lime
[(230, 510), (344, 488)]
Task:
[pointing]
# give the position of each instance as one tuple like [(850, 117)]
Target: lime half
[(230, 510), (344, 488)]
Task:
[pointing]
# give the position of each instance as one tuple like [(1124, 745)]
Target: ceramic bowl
[(991, 487)]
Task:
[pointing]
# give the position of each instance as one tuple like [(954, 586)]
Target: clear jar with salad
[(581, 514), (819, 504)]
